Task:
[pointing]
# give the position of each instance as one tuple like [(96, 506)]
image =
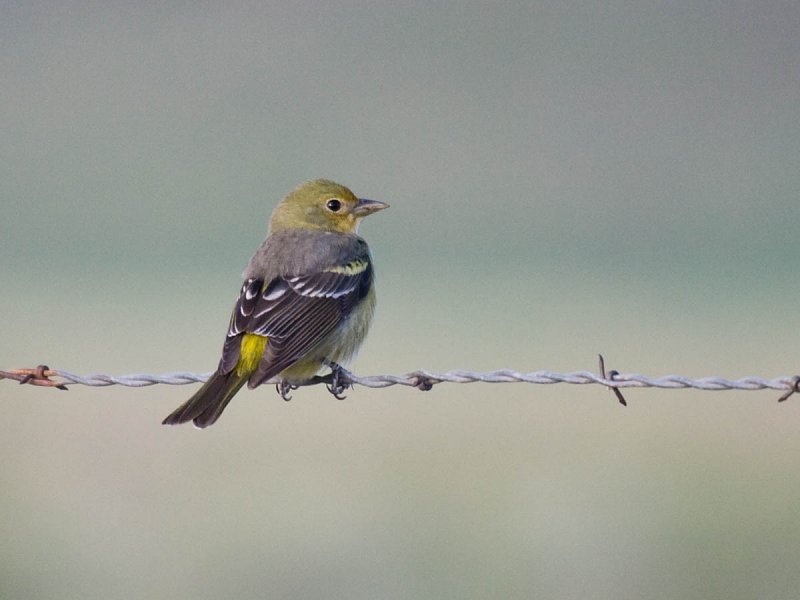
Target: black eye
[(334, 205)]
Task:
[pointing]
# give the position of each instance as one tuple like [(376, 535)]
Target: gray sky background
[(565, 179)]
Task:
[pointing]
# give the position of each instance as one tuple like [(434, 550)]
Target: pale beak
[(367, 207)]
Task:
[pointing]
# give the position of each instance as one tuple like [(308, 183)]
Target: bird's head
[(322, 205)]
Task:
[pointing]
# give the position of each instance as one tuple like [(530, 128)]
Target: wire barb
[(38, 376), (611, 376), (425, 384), (795, 388)]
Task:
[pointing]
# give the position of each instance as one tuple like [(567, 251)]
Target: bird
[(306, 302)]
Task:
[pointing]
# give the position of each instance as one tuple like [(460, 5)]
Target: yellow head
[(322, 205)]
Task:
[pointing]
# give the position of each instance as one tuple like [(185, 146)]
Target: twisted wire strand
[(424, 379)]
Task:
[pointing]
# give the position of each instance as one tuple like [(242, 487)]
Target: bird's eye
[(334, 205)]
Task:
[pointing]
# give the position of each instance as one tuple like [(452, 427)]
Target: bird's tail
[(207, 404)]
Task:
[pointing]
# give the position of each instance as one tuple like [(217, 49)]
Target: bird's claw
[(283, 388), (339, 381)]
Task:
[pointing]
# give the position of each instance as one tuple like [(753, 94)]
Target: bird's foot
[(338, 380), (283, 388)]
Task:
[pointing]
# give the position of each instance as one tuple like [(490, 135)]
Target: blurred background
[(565, 179)]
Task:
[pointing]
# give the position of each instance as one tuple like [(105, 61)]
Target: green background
[(565, 179)]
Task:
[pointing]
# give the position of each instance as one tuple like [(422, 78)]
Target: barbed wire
[(425, 380)]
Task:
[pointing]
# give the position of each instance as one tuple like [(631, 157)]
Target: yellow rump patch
[(250, 353)]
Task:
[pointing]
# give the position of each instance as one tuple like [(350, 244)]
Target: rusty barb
[(39, 376)]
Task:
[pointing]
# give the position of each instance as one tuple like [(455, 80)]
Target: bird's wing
[(295, 313)]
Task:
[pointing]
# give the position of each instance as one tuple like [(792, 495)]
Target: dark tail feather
[(207, 404)]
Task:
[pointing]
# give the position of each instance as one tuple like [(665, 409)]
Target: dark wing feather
[(295, 313)]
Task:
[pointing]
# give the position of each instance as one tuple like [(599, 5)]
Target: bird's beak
[(367, 207)]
